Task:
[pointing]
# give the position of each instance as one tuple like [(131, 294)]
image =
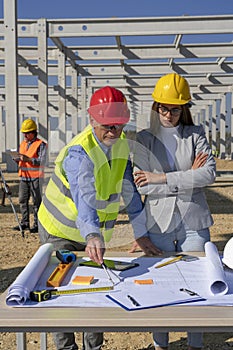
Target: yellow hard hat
[(28, 125), (172, 89)]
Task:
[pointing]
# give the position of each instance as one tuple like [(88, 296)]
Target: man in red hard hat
[(82, 199)]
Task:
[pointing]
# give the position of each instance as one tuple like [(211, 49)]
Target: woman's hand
[(146, 245), (135, 248), (142, 178), (200, 160)]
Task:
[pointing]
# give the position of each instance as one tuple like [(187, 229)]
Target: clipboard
[(147, 297), (14, 153)]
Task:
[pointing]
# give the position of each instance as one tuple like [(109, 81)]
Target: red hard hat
[(109, 106)]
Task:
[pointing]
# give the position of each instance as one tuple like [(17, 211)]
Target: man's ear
[(92, 122)]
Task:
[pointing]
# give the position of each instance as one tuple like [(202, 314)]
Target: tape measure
[(46, 294)]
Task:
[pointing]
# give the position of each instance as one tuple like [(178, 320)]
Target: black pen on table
[(133, 301)]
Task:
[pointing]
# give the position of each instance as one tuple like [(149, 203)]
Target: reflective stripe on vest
[(27, 169), (58, 212)]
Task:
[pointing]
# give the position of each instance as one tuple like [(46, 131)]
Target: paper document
[(199, 282), (19, 291), (216, 274), (14, 153), (144, 297)]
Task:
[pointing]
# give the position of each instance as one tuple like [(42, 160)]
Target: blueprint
[(204, 281)]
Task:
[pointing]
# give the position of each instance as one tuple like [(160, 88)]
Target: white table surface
[(175, 318)]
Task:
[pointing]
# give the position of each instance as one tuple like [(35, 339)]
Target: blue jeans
[(181, 239)]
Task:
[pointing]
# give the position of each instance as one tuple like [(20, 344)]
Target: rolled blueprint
[(20, 289), (216, 274)]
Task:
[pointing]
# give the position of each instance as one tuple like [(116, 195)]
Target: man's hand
[(95, 249), (147, 246), (25, 158)]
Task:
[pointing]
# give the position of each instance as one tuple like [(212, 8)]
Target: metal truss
[(50, 68)]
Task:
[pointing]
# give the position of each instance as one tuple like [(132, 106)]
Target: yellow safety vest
[(58, 213)]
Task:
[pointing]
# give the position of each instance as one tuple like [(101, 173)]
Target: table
[(173, 319)]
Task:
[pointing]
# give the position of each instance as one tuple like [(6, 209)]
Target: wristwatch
[(94, 235)]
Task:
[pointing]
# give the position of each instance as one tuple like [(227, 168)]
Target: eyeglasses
[(112, 127), (173, 111)]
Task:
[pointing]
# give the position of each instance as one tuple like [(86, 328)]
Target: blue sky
[(121, 8), (50, 9)]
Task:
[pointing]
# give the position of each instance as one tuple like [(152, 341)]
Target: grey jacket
[(183, 191)]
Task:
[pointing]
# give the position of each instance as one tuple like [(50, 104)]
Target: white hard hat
[(228, 254)]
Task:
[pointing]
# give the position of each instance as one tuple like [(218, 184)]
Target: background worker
[(173, 163), (82, 199), (31, 162)]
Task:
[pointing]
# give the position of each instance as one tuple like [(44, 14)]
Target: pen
[(177, 258), (190, 292), (133, 301)]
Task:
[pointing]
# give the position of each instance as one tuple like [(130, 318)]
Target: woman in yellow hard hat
[(173, 164)]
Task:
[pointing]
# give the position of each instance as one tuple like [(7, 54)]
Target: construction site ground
[(15, 253)]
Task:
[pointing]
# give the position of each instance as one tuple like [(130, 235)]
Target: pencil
[(177, 258)]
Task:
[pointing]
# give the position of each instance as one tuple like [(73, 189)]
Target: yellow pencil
[(177, 258)]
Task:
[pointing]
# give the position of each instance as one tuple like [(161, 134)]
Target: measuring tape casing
[(40, 295)]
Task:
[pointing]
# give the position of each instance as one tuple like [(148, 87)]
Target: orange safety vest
[(26, 169)]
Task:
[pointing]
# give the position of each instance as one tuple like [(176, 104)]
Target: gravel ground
[(16, 252)]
